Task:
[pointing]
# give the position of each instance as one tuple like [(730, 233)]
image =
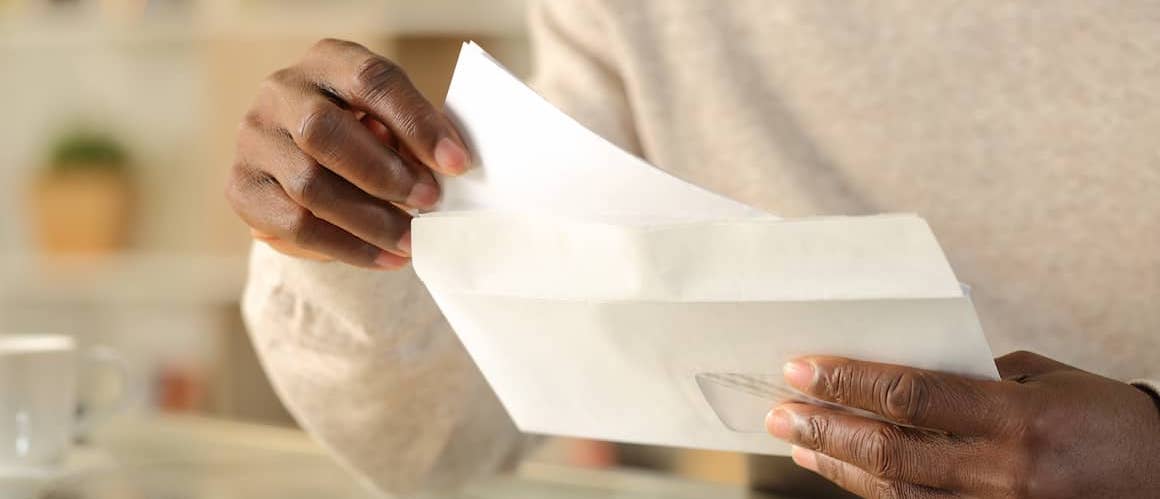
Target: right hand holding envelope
[(1046, 430), (333, 151)]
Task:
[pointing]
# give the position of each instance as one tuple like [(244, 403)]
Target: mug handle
[(104, 358)]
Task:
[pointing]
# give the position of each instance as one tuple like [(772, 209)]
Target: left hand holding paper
[(1046, 430)]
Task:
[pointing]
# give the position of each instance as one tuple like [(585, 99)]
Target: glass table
[(197, 458)]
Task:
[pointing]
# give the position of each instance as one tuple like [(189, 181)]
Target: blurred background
[(119, 119)]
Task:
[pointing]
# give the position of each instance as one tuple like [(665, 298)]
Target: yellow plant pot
[(81, 211)]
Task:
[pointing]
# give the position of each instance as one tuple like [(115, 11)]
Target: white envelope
[(603, 298)]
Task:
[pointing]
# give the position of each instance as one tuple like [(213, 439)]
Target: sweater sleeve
[(366, 364)]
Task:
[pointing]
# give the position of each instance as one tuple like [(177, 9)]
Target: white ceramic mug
[(39, 379)]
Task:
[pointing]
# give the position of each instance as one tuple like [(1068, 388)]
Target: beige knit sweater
[(1026, 133)]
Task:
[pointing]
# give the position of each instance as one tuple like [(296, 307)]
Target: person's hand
[(1046, 430), (332, 151)]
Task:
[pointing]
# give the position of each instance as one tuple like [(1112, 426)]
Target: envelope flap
[(832, 258)]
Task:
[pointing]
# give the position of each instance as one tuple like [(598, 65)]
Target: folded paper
[(604, 298)]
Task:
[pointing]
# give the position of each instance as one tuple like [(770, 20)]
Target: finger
[(372, 83), (380, 131), (908, 396), (858, 481), (263, 205), (334, 138), (335, 200), (287, 248), (331, 197), (881, 449), (1021, 365)]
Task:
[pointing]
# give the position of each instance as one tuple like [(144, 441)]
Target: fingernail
[(798, 373), (405, 243), (390, 261), (779, 423), (452, 159), (805, 458), (422, 195)]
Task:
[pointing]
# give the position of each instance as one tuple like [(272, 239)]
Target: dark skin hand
[(332, 154), (1046, 430)]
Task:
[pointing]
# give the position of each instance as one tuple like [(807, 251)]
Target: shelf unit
[(137, 279), (231, 20)]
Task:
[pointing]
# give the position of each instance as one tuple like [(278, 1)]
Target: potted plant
[(81, 200)]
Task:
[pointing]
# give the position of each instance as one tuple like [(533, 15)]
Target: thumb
[(1023, 364)]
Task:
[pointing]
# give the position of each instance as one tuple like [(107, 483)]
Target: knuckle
[(815, 434), (879, 447), (320, 127), (252, 120), (397, 182), (838, 382), (236, 186), (238, 170), (309, 187), (279, 82), (1021, 462), (243, 180), (376, 78), (251, 136), (410, 124), (283, 76), (906, 397), (419, 122), (1041, 430), (1021, 476), (302, 228)]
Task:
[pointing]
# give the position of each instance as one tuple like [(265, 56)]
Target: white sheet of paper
[(603, 298), (530, 157)]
